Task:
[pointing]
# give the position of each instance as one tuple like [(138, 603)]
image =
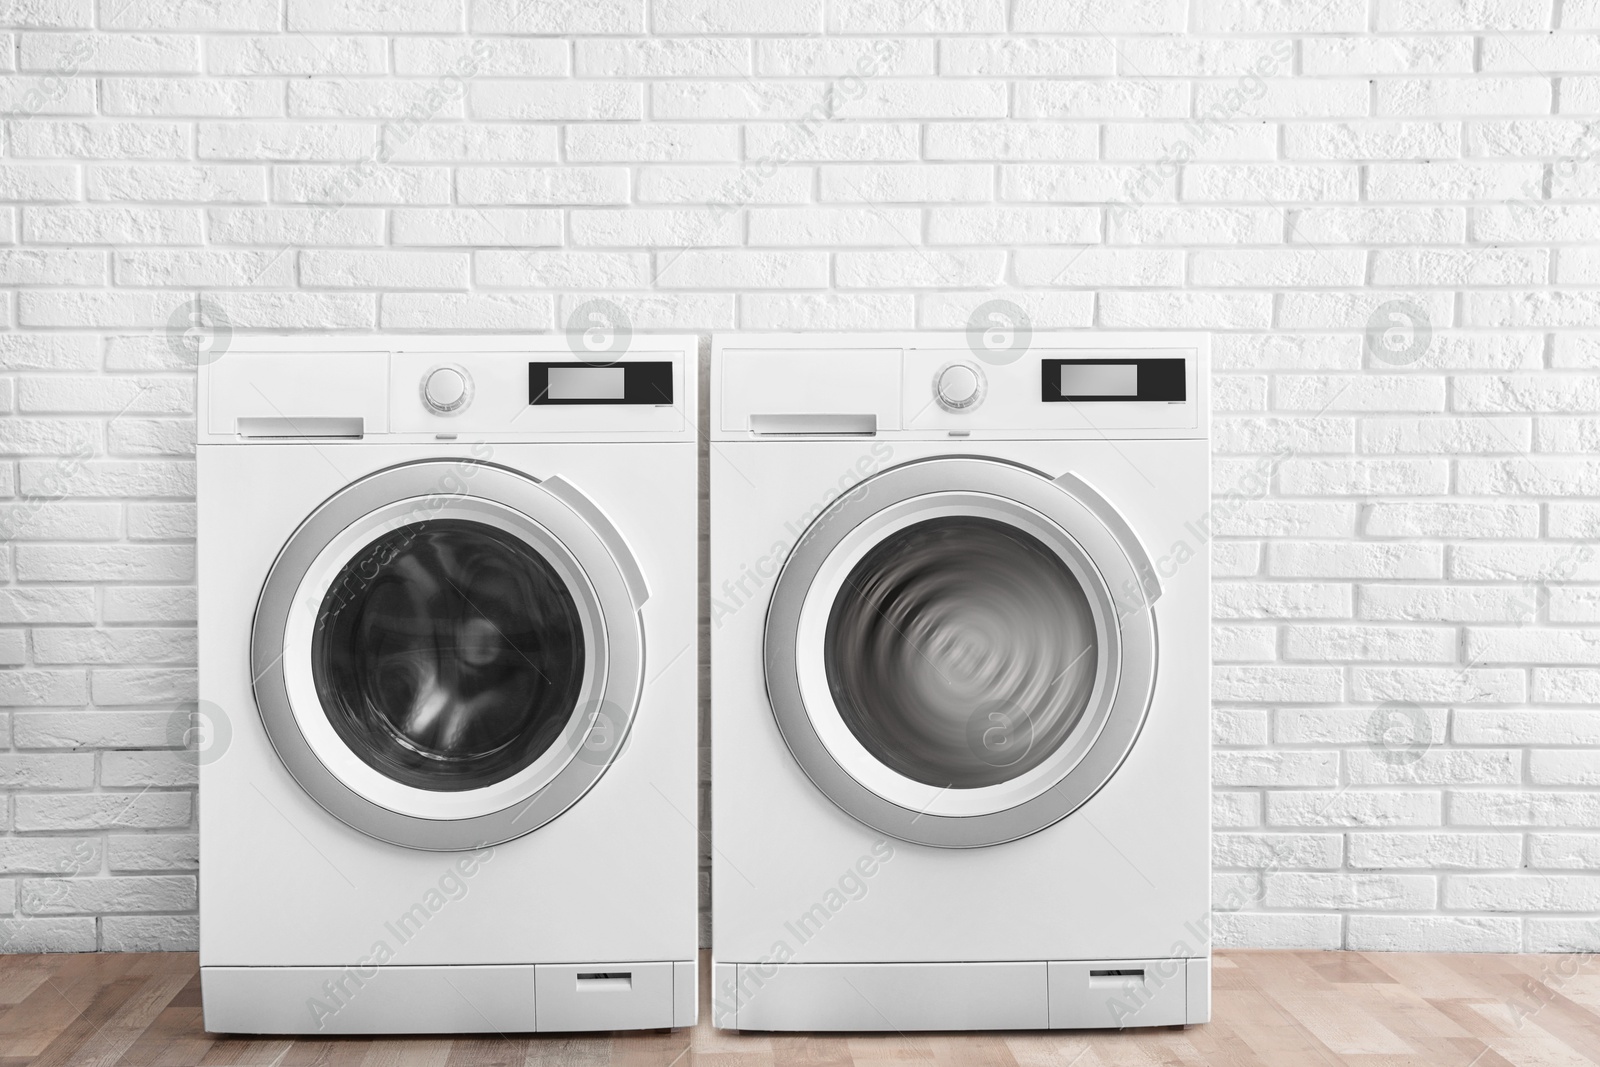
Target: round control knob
[(446, 389), (958, 386)]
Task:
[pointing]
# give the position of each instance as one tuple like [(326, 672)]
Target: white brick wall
[(1408, 606)]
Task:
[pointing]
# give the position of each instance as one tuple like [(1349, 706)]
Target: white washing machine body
[(447, 685), (960, 681)]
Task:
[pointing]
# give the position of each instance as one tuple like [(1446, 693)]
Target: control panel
[(934, 385), (435, 387)]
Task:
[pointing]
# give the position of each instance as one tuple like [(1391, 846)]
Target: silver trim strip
[(1077, 487), (568, 494)]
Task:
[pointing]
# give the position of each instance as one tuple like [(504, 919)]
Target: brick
[(1439, 685), (1064, 225), (1277, 930), (297, 226), (102, 811), (832, 311), (1452, 520), (1142, 224), (1274, 768), (1433, 933), (555, 16), (1350, 892), (1235, 809), (1100, 16), (365, 183), (1372, 140), (285, 141), (122, 140), (111, 646), (192, 97), (1388, 55), (1366, 643), (1571, 850), (1260, 16), (1355, 808), (1276, 684), (1522, 892), (1409, 766), (1561, 935), (658, 142), (937, 269), (204, 268), (1047, 310), (458, 227), (833, 58), (554, 185), (1452, 436), (467, 311), (34, 688), (110, 225), (737, 16), (1427, 850), (348, 98), (557, 101), (1276, 851), (295, 54), (375, 16), (40, 521), (1045, 141), (152, 852), (150, 933), (717, 269), (56, 563), (836, 226), (1282, 600), (49, 935), (160, 522), (332, 269), (1523, 808), (125, 893), (666, 57)]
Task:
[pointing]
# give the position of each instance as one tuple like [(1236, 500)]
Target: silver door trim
[(1107, 542), (433, 485)]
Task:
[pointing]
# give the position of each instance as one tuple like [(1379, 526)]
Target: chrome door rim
[(416, 492), (1103, 542)]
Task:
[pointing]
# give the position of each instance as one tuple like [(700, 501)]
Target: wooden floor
[(1270, 1008)]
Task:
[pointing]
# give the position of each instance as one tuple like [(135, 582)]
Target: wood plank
[(1270, 1008)]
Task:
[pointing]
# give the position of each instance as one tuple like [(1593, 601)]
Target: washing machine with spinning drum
[(447, 685), (960, 681)]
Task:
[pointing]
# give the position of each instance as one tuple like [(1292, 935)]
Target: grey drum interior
[(451, 653), (983, 637)]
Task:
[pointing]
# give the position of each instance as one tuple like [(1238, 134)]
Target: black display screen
[(1094, 380), (637, 382)]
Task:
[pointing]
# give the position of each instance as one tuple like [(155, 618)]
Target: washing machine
[(960, 680), (447, 684)]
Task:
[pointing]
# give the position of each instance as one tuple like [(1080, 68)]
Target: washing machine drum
[(960, 651), (449, 654)]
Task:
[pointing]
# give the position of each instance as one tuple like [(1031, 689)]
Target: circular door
[(448, 654), (959, 651)]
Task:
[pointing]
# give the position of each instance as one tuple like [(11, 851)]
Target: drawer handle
[(603, 981), (1117, 977), (829, 424), (300, 427)]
